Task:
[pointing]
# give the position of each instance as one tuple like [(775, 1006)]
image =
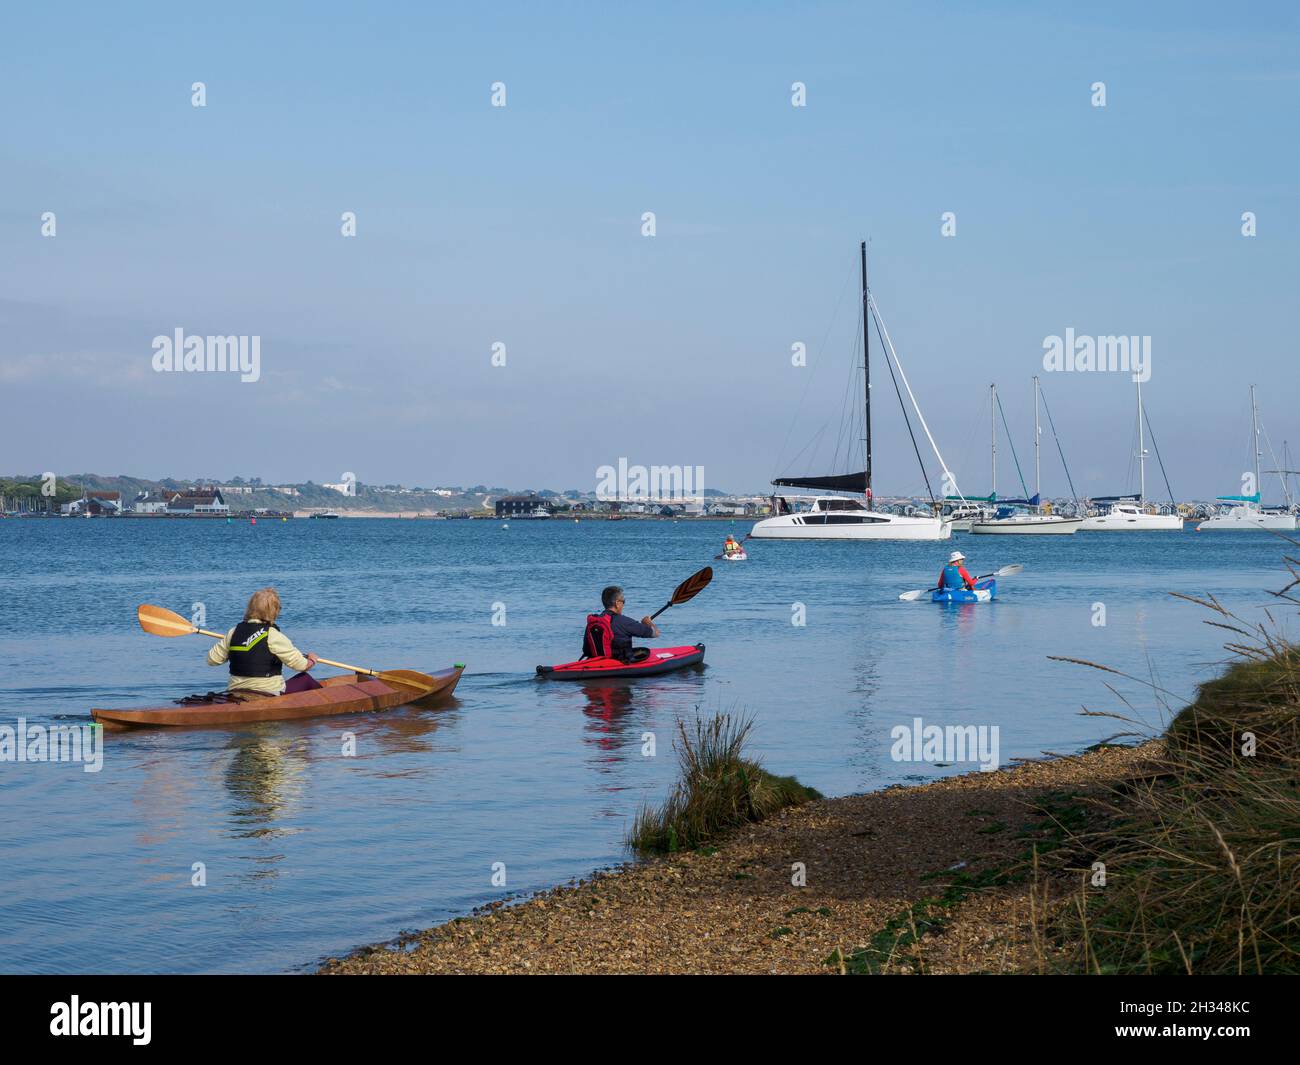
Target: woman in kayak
[(731, 547), (258, 652), (954, 574), (610, 634)]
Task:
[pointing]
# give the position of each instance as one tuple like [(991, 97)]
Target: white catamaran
[(1030, 522), (1247, 513), (1124, 514), (839, 518)]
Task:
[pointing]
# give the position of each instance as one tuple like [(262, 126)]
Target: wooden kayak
[(352, 693)]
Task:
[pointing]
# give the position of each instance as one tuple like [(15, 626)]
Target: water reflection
[(265, 778)]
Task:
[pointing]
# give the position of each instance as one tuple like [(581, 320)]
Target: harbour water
[(308, 852)]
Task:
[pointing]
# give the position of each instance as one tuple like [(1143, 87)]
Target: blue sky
[(522, 225)]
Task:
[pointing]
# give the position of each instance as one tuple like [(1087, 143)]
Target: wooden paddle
[(159, 621), (687, 590), (1005, 571)]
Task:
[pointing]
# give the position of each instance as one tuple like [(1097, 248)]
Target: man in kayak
[(610, 634), (954, 575), (258, 652), (731, 547)]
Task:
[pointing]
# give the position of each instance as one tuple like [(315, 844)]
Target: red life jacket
[(598, 640)]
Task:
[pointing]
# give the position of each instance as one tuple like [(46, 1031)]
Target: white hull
[(1252, 520), (1130, 522), (864, 525), (1035, 525)]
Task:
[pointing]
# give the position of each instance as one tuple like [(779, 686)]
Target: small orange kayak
[(348, 694)]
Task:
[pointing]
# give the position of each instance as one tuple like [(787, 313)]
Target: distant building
[(286, 490), (238, 489), (100, 504), (146, 503), (728, 509), (346, 488), (527, 506), (198, 501)]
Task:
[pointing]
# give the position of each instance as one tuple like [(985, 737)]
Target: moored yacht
[(1128, 513), (1027, 523), (1246, 513), (835, 518), (1030, 521)]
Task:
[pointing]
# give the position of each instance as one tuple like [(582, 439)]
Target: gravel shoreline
[(734, 909)]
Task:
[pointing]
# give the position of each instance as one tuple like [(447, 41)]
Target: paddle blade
[(1010, 571), (912, 596), (692, 586), (408, 678), (158, 621)]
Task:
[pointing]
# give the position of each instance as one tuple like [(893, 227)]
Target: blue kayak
[(985, 591)]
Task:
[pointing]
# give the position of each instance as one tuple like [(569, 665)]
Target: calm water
[(311, 853)]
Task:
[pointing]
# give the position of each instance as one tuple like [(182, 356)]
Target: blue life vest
[(952, 577)]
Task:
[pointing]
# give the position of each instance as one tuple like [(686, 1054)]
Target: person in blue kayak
[(609, 634), (954, 576)]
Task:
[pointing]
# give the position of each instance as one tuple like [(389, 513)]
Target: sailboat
[(1030, 522), (1124, 514), (1247, 513), (960, 511), (837, 517)]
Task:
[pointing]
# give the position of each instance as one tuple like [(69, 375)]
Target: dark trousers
[(301, 682)]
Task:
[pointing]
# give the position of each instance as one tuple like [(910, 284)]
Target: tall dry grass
[(1202, 854)]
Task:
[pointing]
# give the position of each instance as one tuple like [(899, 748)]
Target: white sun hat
[(956, 556)]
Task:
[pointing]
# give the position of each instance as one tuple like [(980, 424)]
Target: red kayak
[(659, 660)]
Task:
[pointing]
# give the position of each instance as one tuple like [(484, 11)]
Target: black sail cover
[(844, 482)]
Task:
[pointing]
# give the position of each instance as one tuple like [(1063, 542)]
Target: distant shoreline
[(425, 515)]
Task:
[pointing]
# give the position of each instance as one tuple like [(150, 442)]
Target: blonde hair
[(263, 606)]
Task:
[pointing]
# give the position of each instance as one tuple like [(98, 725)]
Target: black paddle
[(687, 590)]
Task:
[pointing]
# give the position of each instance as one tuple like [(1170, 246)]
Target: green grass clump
[(1202, 857), (1257, 696), (718, 789)]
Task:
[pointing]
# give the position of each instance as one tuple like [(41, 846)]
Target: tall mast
[(1254, 421), (993, 426), (1038, 477), (866, 361), (1142, 453)]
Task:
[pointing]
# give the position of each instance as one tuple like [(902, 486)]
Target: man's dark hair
[(611, 593)]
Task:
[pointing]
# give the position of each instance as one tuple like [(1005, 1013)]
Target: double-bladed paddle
[(687, 590), (1005, 571), (159, 621)]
